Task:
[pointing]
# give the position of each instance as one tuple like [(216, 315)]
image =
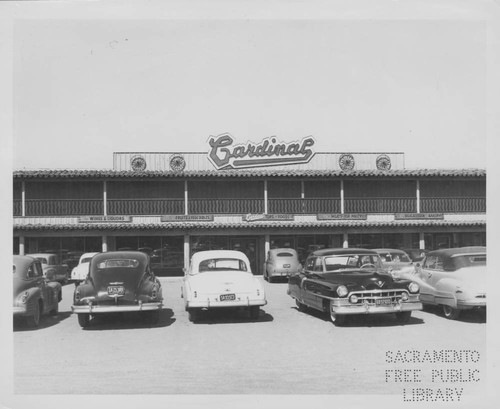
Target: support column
[(345, 244), (418, 196), (105, 198), (186, 251), (267, 244), (23, 198), (104, 244), (265, 197), (342, 196), (421, 241), (22, 250), (186, 207)]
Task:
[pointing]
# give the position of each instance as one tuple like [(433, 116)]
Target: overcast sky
[(84, 89)]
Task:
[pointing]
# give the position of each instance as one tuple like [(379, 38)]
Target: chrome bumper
[(224, 304), (465, 305), (375, 309), (99, 309)]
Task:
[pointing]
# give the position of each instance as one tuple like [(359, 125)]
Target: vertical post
[(421, 240), (302, 196), (104, 244), (267, 244), (186, 197), (418, 196), (22, 250), (105, 198), (23, 198), (345, 244), (342, 196), (186, 251), (265, 197)]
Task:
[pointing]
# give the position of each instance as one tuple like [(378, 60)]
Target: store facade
[(250, 197)]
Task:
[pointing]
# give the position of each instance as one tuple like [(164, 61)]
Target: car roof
[(23, 262), (40, 254), (342, 251), (280, 249), (389, 251), (86, 255), (457, 251), (120, 254), (208, 254)]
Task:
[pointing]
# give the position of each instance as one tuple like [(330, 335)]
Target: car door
[(428, 276), (311, 289), (35, 274)]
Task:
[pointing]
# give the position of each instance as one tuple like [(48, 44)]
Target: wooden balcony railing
[(226, 206), (145, 206), (63, 207), (380, 205), (453, 204), (304, 206), (17, 208)]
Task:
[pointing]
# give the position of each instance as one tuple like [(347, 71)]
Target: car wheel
[(34, 320), (450, 312), (254, 312), (84, 320), (194, 315), (301, 307), (403, 317), (55, 310)]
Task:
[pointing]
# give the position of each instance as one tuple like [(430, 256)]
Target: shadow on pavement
[(129, 320), (231, 316), (472, 316), (365, 320), (46, 321)]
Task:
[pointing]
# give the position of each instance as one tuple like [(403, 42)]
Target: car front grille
[(370, 297)]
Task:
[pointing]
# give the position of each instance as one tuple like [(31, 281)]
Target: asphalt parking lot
[(284, 352)]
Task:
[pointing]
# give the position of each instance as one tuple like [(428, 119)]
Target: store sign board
[(104, 219), (188, 218), (412, 216), (223, 154), (267, 217), (341, 216)]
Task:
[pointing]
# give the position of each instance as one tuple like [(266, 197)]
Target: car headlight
[(23, 297), (342, 291), (413, 287)]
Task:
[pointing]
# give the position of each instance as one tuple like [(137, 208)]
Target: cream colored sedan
[(221, 279)]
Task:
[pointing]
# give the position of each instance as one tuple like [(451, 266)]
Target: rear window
[(284, 254), (122, 263), (42, 260), (222, 264), (86, 260), (395, 257), (466, 260)]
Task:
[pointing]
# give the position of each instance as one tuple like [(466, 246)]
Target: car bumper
[(101, 309), (280, 273), (469, 304), (347, 308), (20, 311), (224, 304)]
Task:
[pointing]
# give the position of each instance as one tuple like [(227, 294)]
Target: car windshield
[(338, 262), (394, 257), (118, 263), (86, 260), (219, 264), (42, 260), (284, 254)]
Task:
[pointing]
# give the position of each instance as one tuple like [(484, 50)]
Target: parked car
[(454, 279), (221, 279), (71, 259), (53, 268), (33, 295), (280, 262), (416, 254), (346, 281), (80, 272), (118, 281), (396, 262)]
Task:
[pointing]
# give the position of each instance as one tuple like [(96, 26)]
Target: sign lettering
[(269, 152), (188, 218), (99, 219)]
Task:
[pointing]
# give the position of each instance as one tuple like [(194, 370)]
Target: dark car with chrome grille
[(118, 281), (344, 282)]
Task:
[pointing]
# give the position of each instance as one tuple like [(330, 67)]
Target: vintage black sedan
[(343, 282), (119, 281), (33, 294)]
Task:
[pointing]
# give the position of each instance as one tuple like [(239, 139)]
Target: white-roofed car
[(221, 279), (397, 262), (79, 273)]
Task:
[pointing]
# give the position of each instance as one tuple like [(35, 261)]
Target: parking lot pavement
[(284, 352)]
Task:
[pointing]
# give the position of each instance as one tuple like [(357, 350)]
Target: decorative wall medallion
[(346, 162), (177, 163), (383, 162), (138, 163)]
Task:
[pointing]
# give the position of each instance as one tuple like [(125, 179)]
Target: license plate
[(383, 301), (116, 290), (228, 297), (286, 266)]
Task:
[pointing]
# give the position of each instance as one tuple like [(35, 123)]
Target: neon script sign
[(269, 152)]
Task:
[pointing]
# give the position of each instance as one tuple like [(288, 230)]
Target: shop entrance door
[(247, 245)]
